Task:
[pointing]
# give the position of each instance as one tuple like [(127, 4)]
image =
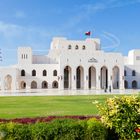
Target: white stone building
[(72, 64)]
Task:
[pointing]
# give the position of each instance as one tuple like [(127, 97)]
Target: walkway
[(56, 92)]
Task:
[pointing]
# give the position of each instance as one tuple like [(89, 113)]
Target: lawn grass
[(40, 106)]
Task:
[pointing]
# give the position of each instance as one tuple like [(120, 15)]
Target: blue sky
[(35, 22)]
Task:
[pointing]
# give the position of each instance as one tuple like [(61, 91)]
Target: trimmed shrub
[(95, 130), (41, 131), (66, 129), (122, 114), (13, 131), (59, 129)]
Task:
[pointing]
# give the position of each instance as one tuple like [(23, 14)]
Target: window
[(125, 84), (76, 47), (26, 56), (33, 73), (69, 47), (44, 73), (133, 73), (33, 85), (44, 84), (134, 84), (22, 72), (55, 84), (55, 73), (84, 47), (125, 74)]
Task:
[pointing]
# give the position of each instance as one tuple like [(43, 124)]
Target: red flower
[(137, 130)]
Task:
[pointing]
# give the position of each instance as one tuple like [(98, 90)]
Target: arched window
[(76, 47), (69, 47), (133, 73), (44, 84), (55, 73), (125, 73), (22, 85), (44, 73), (22, 72), (134, 84), (125, 84), (55, 84), (84, 47), (33, 84), (33, 73)]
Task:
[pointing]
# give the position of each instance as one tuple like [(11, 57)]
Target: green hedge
[(59, 129)]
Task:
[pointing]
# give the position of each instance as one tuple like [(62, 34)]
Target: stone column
[(61, 80), (86, 78), (73, 78), (110, 78), (121, 86), (98, 78)]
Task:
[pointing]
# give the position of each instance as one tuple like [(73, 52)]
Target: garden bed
[(45, 119)]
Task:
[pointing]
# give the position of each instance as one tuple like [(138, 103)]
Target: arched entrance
[(92, 78), (104, 77), (79, 77), (115, 77), (7, 82), (134, 84), (125, 84), (23, 85), (44, 84), (67, 77), (55, 84), (33, 85)]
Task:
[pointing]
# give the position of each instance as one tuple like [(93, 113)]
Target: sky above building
[(35, 22)]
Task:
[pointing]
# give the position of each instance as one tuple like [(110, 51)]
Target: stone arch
[(22, 85), (92, 77), (67, 77), (115, 77), (55, 84), (125, 84), (79, 77), (104, 77), (134, 84), (44, 84), (8, 82), (33, 85)]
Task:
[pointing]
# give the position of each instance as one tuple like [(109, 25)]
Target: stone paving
[(56, 92)]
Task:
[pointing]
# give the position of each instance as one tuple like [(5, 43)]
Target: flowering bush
[(122, 114)]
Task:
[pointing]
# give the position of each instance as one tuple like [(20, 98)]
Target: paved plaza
[(56, 92)]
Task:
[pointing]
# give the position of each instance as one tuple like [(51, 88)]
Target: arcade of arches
[(91, 77)]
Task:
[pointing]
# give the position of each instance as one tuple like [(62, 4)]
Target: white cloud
[(12, 35)]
